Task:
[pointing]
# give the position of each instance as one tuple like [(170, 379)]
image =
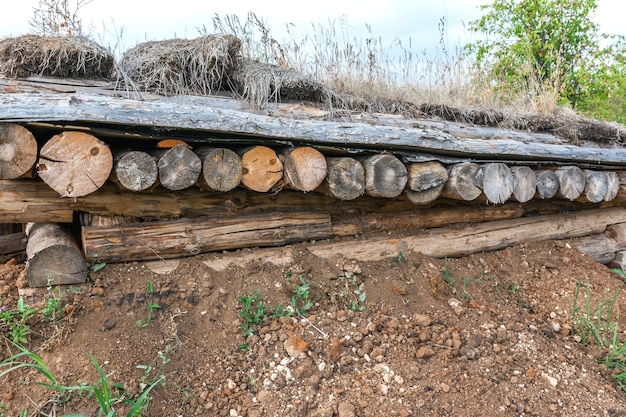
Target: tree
[(551, 43)]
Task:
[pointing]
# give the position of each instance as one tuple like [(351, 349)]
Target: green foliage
[(600, 324), (15, 322), (52, 311), (252, 313), (396, 260), (531, 45), (301, 299), (107, 393), (151, 307), (351, 292)]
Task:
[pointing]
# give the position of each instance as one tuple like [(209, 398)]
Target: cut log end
[(385, 175), (304, 168), (134, 170), (498, 182), (547, 184), (596, 186), (525, 183), (571, 182), (345, 178), (179, 168), (261, 169), (221, 169), (464, 182), (18, 151), (75, 164)]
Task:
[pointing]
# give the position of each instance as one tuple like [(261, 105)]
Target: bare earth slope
[(505, 347)]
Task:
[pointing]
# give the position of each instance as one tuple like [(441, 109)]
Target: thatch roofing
[(56, 56)]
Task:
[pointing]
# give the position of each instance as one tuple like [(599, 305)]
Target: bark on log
[(547, 184), (452, 242), (385, 175), (304, 168), (427, 219), (74, 164), (498, 182), (221, 169), (18, 151), (12, 243), (179, 167), (422, 198), (233, 118), (464, 182), (599, 247), (32, 201), (525, 183), (261, 168), (596, 186), (187, 237), (423, 176), (134, 170), (571, 182), (53, 256), (345, 178)]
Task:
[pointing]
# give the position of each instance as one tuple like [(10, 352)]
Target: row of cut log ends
[(76, 164), (55, 258)]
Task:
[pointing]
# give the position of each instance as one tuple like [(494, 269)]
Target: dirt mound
[(485, 335), (55, 56)]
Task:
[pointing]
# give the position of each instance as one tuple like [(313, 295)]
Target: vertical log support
[(547, 184), (571, 182), (134, 170), (262, 169), (53, 256), (385, 175), (425, 182), (304, 168), (498, 182), (464, 182), (179, 167), (221, 169), (524, 183), (345, 178)]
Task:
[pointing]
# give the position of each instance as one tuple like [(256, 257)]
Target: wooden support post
[(612, 185), (53, 256), (425, 181), (596, 185), (18, 151), (74, 164)]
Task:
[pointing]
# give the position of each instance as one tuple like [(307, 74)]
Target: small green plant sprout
[(52, 310), (96, 266), (600, 325), (107, 393), (151, 307), (352, 292), (397, 259), (447, 276), (15, 321), (253, 312), (301, 299)]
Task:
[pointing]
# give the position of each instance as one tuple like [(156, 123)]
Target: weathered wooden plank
[(197, 120)]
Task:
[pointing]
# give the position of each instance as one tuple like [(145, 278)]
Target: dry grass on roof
[(260, 83), (56, 56), (183, 66)]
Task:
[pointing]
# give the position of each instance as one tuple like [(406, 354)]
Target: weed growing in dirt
[(107, 393), (151, 307), (52, 310), (351, 292), (15, 322), (301, 299), (252, 313), (396, 260), (600, 325)]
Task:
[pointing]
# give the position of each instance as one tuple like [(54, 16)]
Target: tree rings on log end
[(179, 168), (571, 182), (18, 151), (547, 184), (262, 169), (304, 168), (465, 181), (385, 175), (221, 169), (134, 170), (345, 178), (525, 183), (74, 164)]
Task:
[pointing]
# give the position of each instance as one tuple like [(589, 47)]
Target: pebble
[(422, 319), (457, 306), (425, 352), (346, 409), (469, 352)]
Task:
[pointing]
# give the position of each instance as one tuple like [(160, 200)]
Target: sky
[(389, 20)]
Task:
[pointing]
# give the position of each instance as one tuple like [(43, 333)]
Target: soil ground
[(490, 334)]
